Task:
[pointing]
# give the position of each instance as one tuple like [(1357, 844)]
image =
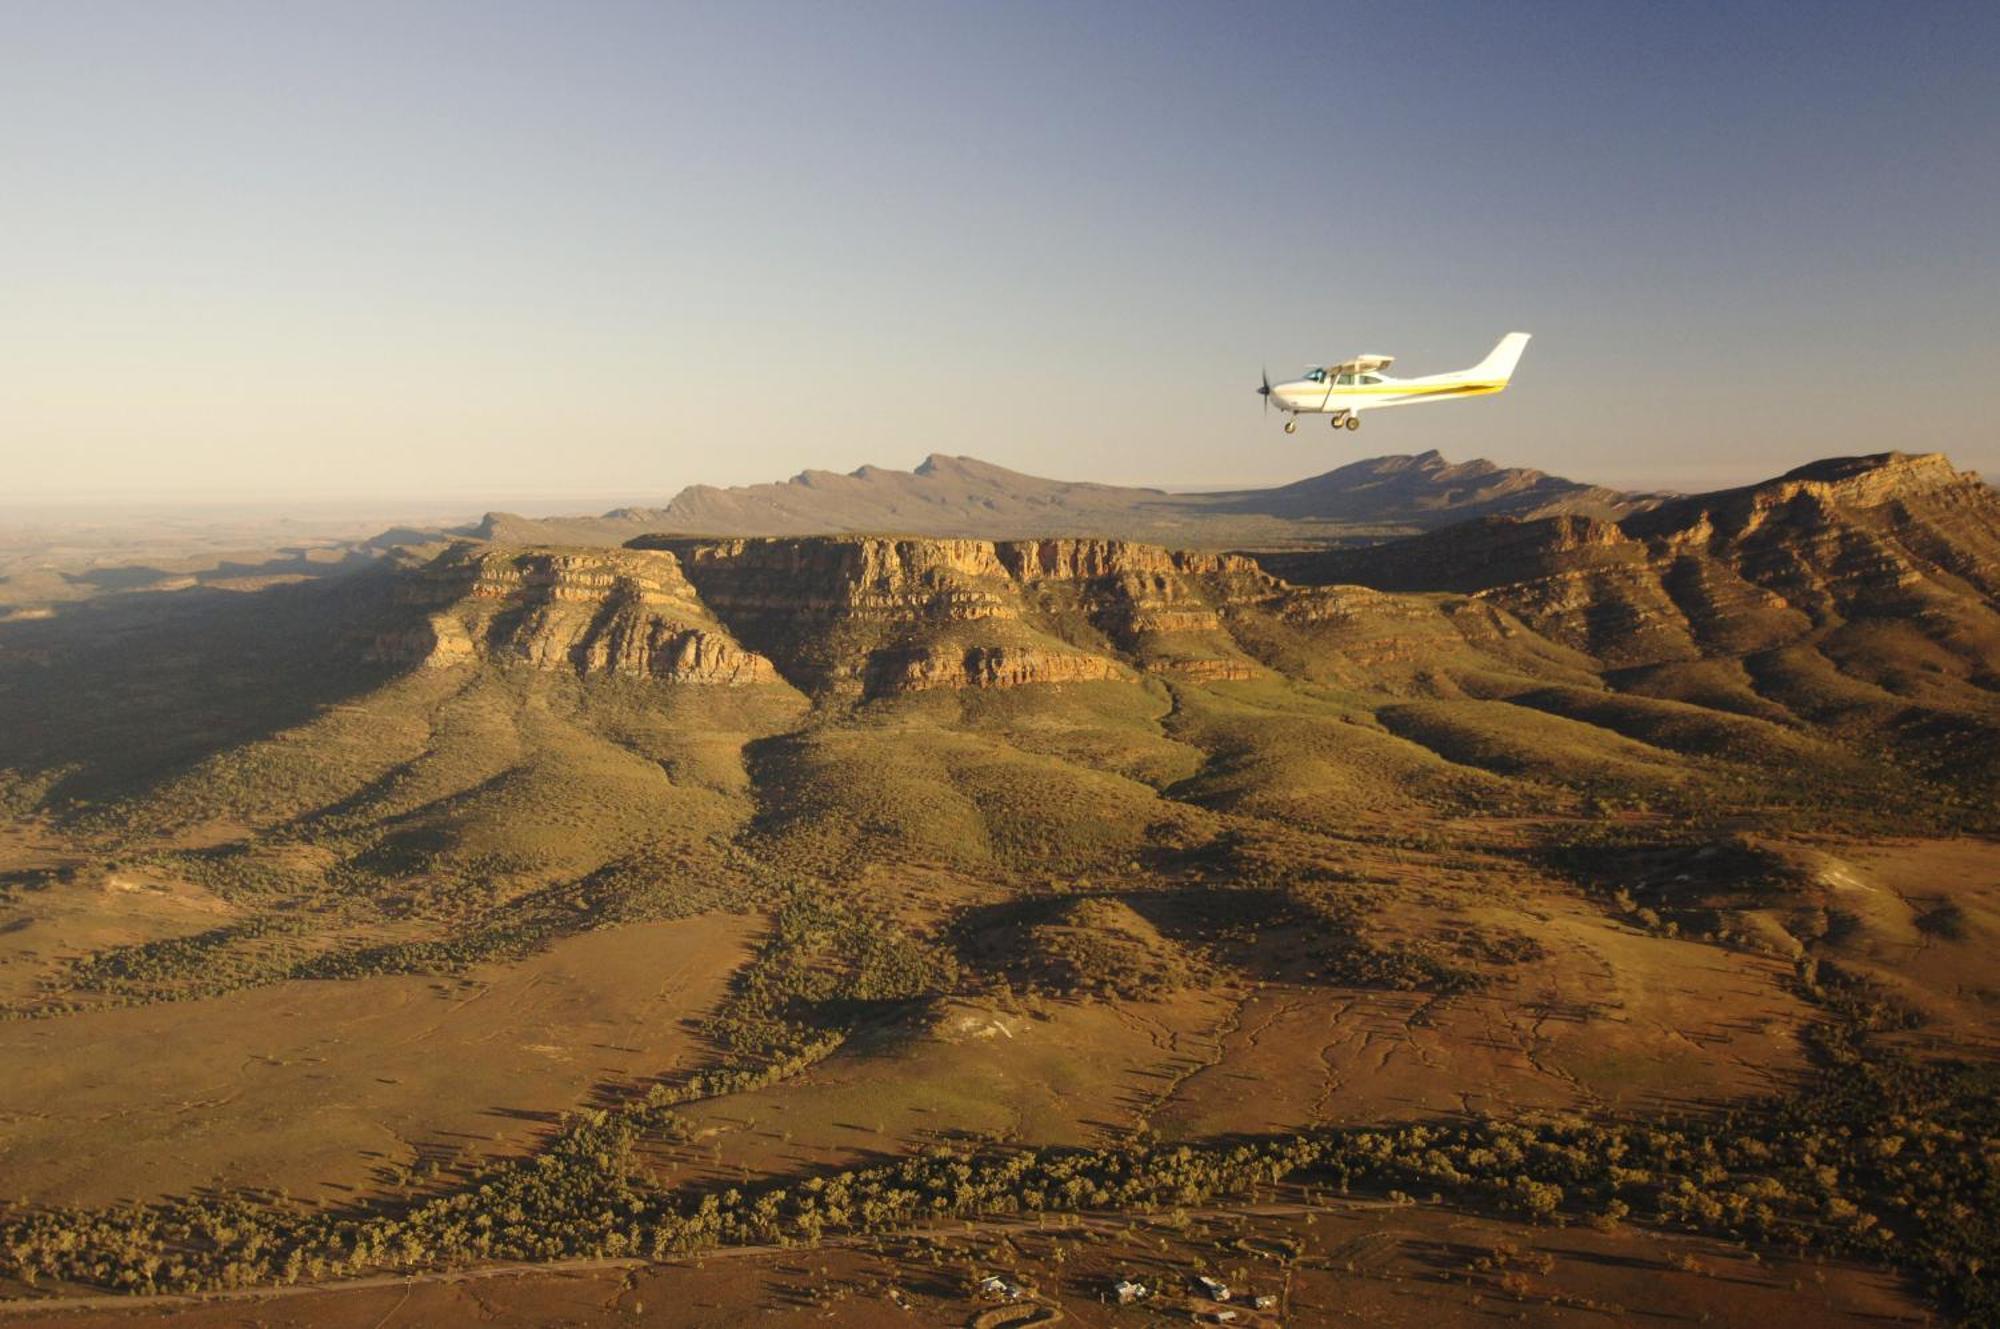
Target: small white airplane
[(1345, 390)]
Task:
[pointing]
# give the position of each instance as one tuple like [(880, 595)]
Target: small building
[(1265, 1302), (1219, 1316), (1129, 1290), (1213, 1288)]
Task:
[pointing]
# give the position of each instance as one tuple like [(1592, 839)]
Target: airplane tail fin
[(1499, 366)]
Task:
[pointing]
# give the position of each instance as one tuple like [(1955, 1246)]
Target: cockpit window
[(1315, 376), (1345, 381)]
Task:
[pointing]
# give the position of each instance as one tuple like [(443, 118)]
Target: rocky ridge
[(889, 615), (1853, 596), (948, 496), (1889, 538), (834, 614), (595, 611)]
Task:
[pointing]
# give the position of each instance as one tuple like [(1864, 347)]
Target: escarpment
[(914, 668), (842, 614), (1887, 538), (1883, 569), (888, 614), (594, 611)]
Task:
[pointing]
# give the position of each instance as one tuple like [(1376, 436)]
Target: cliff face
[(915, 668), (1880, 569), (848, 614), (1888, 538), (595, 611), (885, 615)]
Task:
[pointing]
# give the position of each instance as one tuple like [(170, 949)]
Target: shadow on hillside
[(1251, 932), (104, 697), (296, 562)]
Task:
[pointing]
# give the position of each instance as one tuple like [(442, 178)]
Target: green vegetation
[(306, 939), (1883, 1156), (1946, 922), (1419, 966), (828, 961), (1086, 944), (207, 963), (1449, 960)]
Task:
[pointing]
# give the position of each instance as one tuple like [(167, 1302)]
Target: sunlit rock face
[(1887, 566), (593, 611), (1788, 561)]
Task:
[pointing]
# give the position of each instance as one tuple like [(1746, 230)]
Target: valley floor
[(1325, 1262)]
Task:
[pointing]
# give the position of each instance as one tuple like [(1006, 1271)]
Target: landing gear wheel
[(1291, 426), (1335, 422), (1354, 422)]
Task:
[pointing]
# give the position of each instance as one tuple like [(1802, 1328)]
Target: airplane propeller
[(1265, 391)]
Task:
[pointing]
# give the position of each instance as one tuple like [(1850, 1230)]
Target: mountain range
[(962, 496)]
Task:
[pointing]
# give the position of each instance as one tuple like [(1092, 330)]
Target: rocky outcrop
[(886, 614), (1083, 560), (1823, 487), (1887, 537), (878, 615), (435, 643), (1131, 591), (847, 577), (1829, 549), (917, 668), (593, 611), (1204, 670)]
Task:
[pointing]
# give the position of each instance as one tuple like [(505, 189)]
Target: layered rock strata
[(594, 611), (1888, 537)]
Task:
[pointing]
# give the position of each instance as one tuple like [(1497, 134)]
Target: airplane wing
[(1362, 364)]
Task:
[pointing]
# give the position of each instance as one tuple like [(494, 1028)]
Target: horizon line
[(1655, 479)]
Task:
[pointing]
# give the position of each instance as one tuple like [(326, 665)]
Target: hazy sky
[(499, 248)]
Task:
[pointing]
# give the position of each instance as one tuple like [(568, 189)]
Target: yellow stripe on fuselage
[(1316, 399), (1418, 389)]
